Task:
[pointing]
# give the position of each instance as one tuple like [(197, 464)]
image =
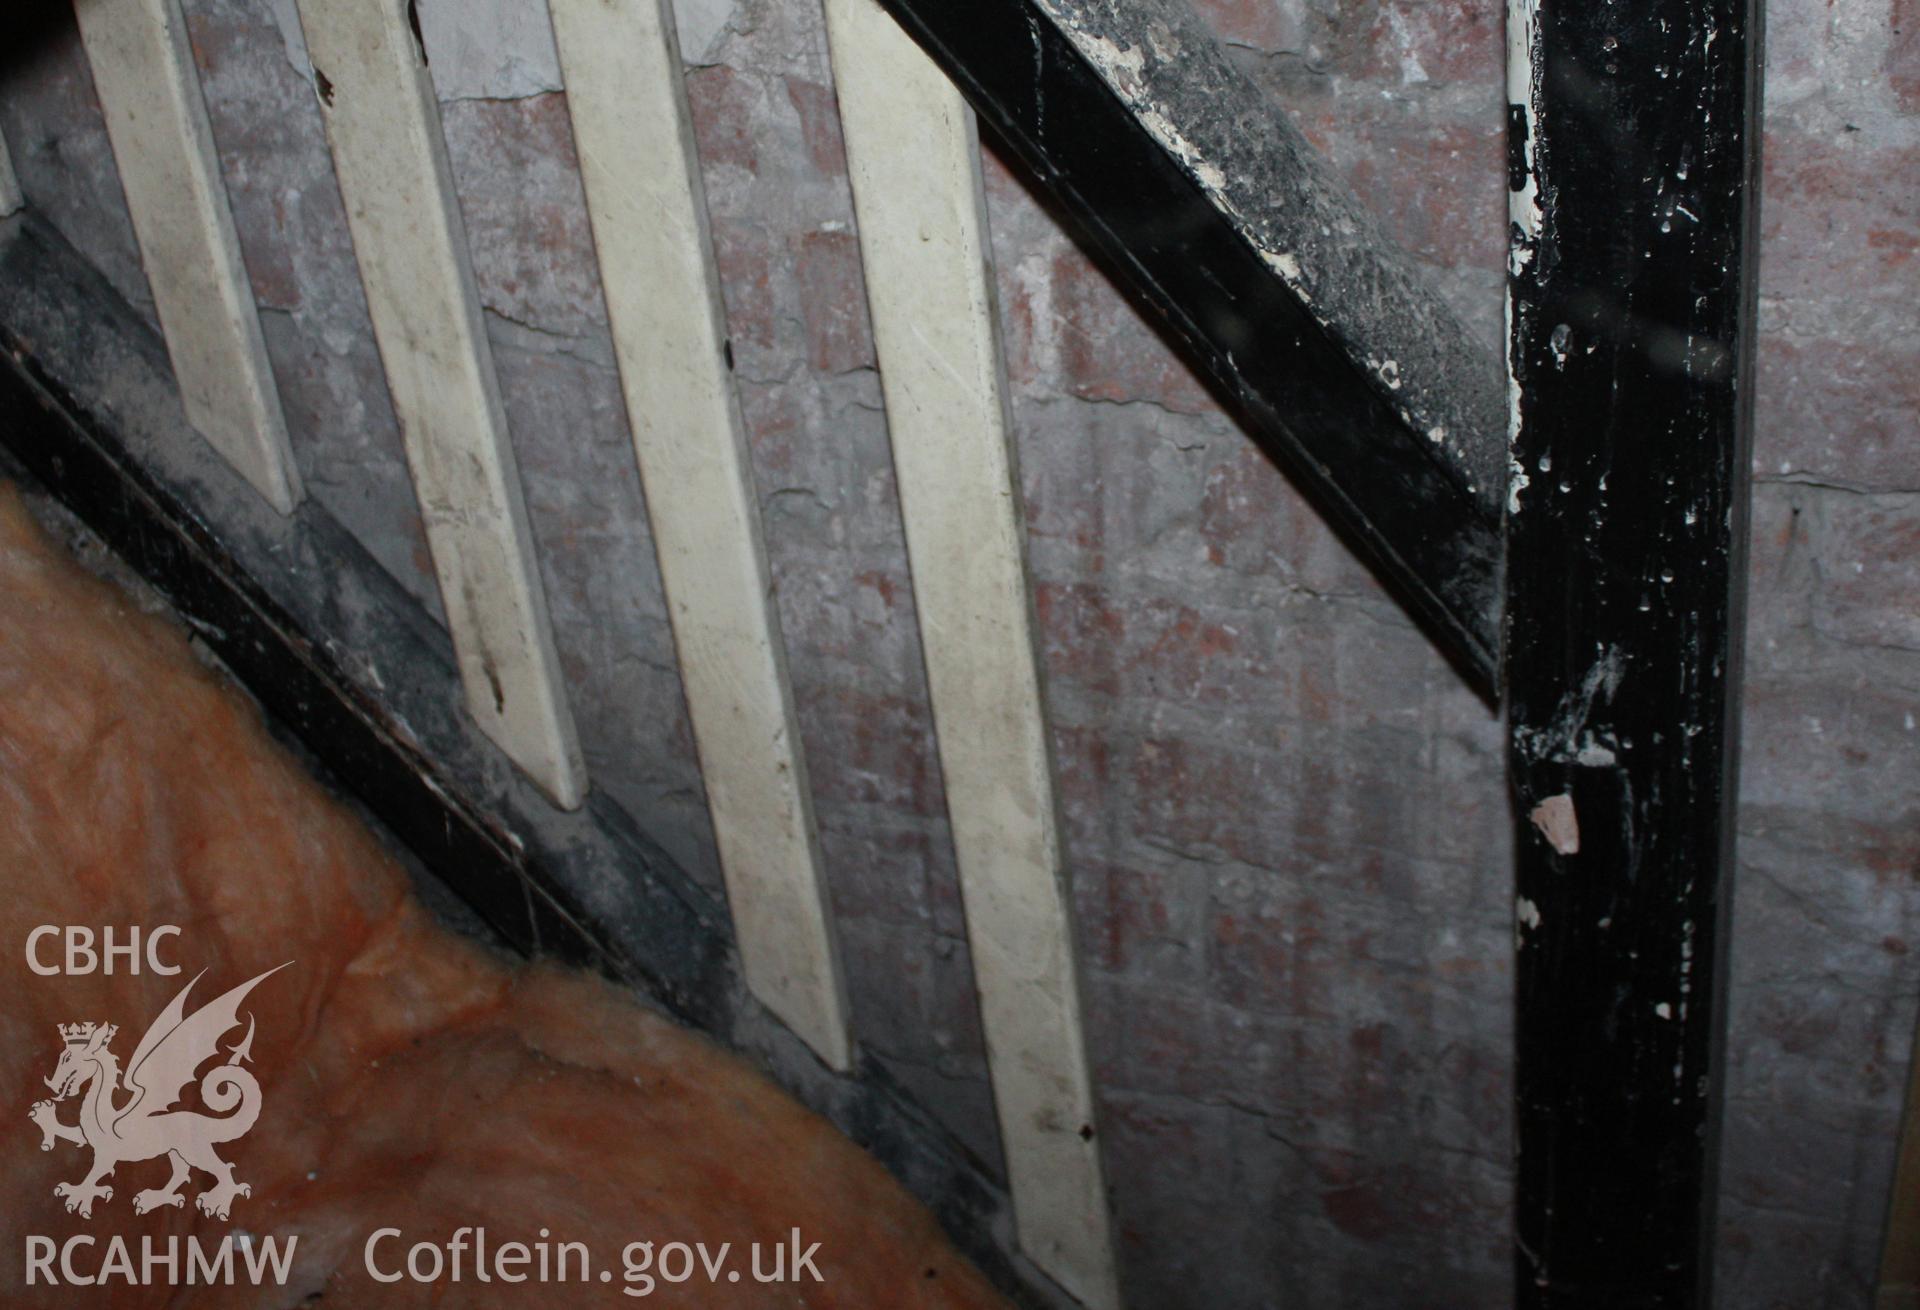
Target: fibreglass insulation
[(408, 1078)]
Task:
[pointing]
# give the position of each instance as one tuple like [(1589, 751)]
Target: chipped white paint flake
[(634, 135), (1513, 380), (1122, 63), (1664, 1010), (1526, 913), (1557, 822), (391, 164), (913, 155), (1523, 89), (1558, 342), (1205, 171), (1568, 733), (163, 145), (1517, 482), (1122, 69), (1287, 265), (1523, 205), (1594, 755)]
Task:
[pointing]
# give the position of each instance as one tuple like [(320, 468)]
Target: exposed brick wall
[(1825, 916), (1285, 816)]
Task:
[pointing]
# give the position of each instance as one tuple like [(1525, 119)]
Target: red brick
[(1124, 912), (1105, 350), (1822, 755), (1903, 54), (1076, 514), (1890, 853), (1164, 1039), (1374, 1202), (884, 585), (1839, 408), (524, 211), (1434, 41), (1080, 635), (1083, 780), (259, 144), (1166, 1132), (744, 255), (913, 994), (1240, 518), (1027, 324), (1002, 176), (953, 1017), (1147, 647), (1870, 571), (724, 106), (819, 115), (1837, 224), (1438, 188), (1318, 128), (1480, 1068), (1778, 595), (833, 302), (1266, 25), (1179, 654), (870, 749), (1254, 522), (1288, 809), (1274, 954), (773, 421), (878, 874), (1197, 798)]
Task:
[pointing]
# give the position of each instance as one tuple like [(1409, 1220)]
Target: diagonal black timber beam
[(1633, 141), (1207, 204)]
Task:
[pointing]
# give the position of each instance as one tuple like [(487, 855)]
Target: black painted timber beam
[(1205, 202), (1634, 132)]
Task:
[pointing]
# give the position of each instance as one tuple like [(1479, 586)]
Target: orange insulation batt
[(407, 1079)]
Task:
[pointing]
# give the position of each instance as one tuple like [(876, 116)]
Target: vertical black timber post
[(1634, 131)]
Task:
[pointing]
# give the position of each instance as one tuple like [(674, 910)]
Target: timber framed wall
[(1282, 846)]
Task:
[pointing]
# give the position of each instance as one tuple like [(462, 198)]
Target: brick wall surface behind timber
[(1285, 815)]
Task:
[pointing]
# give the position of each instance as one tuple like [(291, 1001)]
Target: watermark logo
[(185, 1091), (126, 1118)]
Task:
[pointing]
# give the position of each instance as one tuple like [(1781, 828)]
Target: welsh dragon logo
[(144, 1126)]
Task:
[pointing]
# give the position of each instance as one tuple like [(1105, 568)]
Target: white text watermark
[(470, 1255)]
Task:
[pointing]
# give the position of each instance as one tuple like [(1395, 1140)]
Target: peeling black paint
[(1632, 316)]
